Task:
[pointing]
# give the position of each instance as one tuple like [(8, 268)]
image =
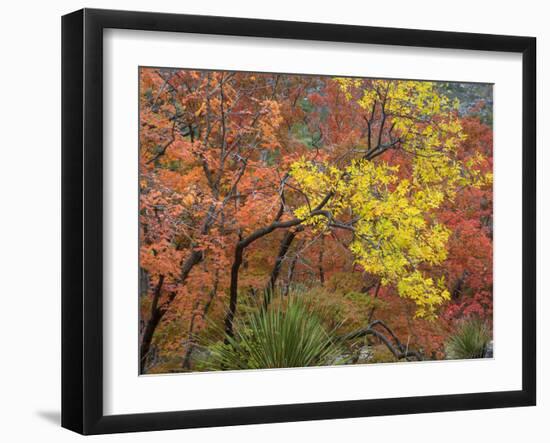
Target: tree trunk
[(376, 291), (190, 338), (233, 289), (157, 312), (459, 286), (191, 346), (151, 325), (147, 339), (321, 254), (291, 269), (247, 241), (286, 242)]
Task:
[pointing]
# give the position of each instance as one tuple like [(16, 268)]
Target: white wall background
[(30, 219)]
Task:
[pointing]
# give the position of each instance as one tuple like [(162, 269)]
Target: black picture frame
[(82, 215)]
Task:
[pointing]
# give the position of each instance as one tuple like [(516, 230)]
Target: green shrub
[(288, 334), (470, 340)]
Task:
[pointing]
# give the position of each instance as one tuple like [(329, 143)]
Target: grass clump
[(470, 340), (287, 334)]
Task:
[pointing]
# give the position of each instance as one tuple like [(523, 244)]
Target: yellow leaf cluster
[(395, 229), (392, 235)]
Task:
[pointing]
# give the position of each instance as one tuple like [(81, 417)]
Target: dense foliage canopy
[(369, 199)]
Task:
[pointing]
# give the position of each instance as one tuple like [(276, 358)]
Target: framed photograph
[(269, 221)]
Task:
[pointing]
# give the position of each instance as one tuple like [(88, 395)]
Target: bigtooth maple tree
[(394, 213), (207, 141)]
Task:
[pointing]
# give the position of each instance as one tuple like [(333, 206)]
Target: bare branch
[(399, 351)]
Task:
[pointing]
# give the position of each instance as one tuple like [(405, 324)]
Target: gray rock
[(365, 354), (489, 350)]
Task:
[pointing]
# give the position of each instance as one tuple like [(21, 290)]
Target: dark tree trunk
[(290, 276), (190, 339), (191, 346), (321, 256), (245, 242), (233, 289), (151, 325), (157, 312), (143, 282), (459, 286), (376, 291), (147, 339), (286, 242)]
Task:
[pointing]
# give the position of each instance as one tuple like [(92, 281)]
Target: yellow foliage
[(396, 232), (392, 237)]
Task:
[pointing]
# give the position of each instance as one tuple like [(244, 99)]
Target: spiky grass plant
[(285, 335), (470, 340)]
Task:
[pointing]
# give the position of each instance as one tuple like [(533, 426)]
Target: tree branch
[(399, 351), (166, 145)]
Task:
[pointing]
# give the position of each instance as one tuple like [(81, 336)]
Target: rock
[(365, 354), (489, 350)]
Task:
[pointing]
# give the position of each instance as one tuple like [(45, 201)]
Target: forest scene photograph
[(290, 220)]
